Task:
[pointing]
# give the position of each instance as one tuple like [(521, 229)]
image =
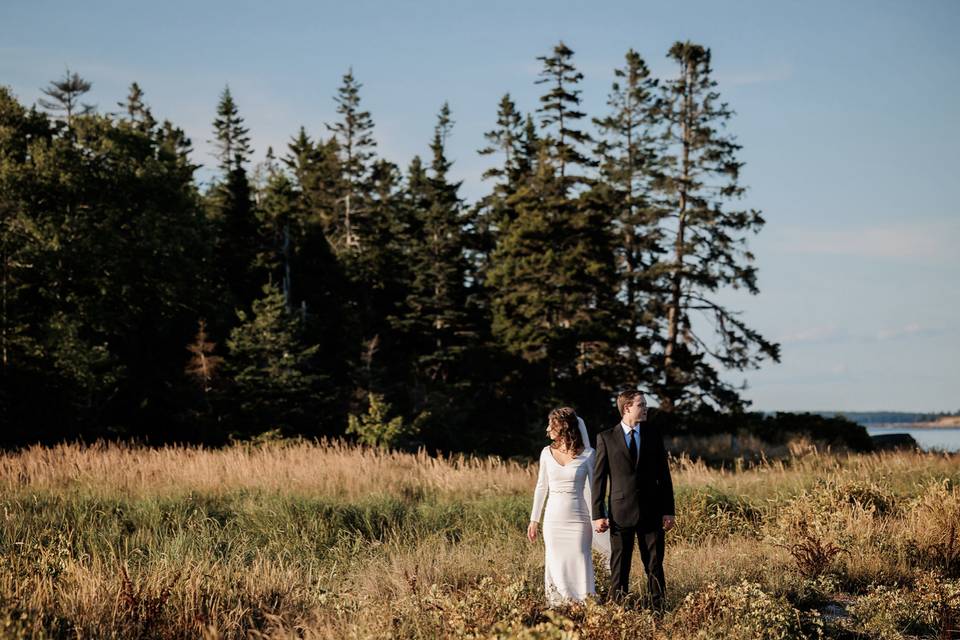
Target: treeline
[(327, 290), (890, 417)]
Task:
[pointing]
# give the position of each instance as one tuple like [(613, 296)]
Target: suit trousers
[(651, 545)]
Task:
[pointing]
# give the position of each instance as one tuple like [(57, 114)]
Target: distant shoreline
[(900, 419), (951, 422)]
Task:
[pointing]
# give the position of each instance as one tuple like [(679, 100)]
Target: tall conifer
[(231, 205), (628, 150), (560, 113), (64, 96), (354, 134), (706, 240)]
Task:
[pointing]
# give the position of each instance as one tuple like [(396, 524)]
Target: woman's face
[(551, 430)]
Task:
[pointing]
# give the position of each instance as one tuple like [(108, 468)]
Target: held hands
[(668, 522), (532, 531), (601, 525)]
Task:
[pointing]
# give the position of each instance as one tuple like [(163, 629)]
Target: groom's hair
[(627, 397)]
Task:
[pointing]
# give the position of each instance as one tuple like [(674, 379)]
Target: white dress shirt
[(626, 435)]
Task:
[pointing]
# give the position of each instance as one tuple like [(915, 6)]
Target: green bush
[(743, 611)]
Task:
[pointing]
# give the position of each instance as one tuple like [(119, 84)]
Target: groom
[(632, 459)]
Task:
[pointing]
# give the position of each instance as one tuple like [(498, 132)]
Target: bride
[(566, 473)]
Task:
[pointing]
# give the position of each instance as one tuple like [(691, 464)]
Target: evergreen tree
[(506, 139), (436, 317), (231, 207), (375, 429), (530, 149), (174, 149), (272, 370), (559, 109), (354, 134), (136, 109), (706, 241), (65, 96), (315, 168), (628, 149), (548, 277), (231, 138), (298, 256), (485, 219), (280, 210)]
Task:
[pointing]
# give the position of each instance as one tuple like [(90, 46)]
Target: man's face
[(637, 410)]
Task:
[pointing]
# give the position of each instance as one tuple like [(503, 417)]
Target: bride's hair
[(564, 421)]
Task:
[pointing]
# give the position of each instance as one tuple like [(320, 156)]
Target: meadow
[(297, 539)]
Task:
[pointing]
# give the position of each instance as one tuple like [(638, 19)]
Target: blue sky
[(848, 113)]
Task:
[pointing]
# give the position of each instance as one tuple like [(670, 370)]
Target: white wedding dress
[(568, 533)]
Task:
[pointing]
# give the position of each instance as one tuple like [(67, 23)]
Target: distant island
[(898, 418)]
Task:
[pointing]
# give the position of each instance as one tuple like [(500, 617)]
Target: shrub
[(889, 612), (740, 611), (376, 430)]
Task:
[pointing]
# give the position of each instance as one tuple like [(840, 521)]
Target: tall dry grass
[(329, 540), (328, 468)]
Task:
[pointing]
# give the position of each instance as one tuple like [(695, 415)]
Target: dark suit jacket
[(640, 494)]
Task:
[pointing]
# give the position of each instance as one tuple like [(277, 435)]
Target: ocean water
[(928, 439)]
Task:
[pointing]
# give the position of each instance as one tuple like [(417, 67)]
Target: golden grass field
[(327, 540)]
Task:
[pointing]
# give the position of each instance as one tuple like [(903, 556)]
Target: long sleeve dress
[(567, 528)]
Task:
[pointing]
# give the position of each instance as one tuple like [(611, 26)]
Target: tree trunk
[(674, 311)]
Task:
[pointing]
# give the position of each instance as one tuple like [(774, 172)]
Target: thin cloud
[(818, 334), (909, 330), (916, 242), (831, 334), (748, 77)]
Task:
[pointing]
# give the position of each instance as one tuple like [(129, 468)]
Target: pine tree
[(559, 109), (295, 210), (506, 139), (354, 134), (280, 212), (174, 148), (375, 429), (628, 150), (137, 110), (527, 307), (315, 168), (65, 96), (485, 219), (231, 205), (231, 138), (706, 242), (530, 149), (551, 278), (436, 318), (272, 370)]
